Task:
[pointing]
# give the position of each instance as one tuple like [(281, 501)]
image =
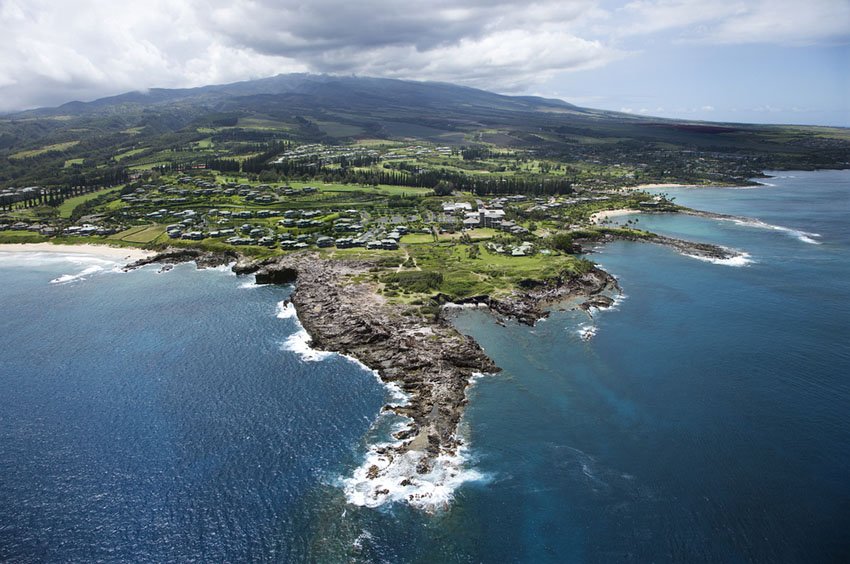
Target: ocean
[(181, 416)]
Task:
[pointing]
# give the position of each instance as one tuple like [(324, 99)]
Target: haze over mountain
[(781, 61), (168, 124)]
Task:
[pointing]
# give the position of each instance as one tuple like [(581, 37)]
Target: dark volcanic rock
[(203, 259), (429, 359), (532, 302), (276, 275)]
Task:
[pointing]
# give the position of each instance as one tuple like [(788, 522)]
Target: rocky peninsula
[(413, 347)]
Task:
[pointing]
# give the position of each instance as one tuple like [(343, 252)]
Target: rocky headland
[(415, 348)]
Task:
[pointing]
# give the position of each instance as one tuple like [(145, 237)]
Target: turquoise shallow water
[(154, 417)]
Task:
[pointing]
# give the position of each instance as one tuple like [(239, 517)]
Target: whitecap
[(223, 268), (396, 479), (586, 331), (248, 285), (299, 343), (618, 301), (804, 236), (86, 272), (286, 310), (741, 259)]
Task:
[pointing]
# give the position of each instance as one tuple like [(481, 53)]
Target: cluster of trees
[(224, 165), (257, 164), (475, 153)]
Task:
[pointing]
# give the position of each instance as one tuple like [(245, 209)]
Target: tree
[(562, 242), (444, 188)]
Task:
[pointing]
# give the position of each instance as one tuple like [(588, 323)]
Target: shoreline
[(126, 254), (658, 185), (601, 216)]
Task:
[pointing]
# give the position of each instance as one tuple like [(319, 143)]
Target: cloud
[(506, 45), (790, 22), (53, 52)]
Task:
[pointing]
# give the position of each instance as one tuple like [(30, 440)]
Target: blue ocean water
[(156, 417)]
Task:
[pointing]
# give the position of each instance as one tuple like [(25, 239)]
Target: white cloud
[(794, 22), (53, 51)]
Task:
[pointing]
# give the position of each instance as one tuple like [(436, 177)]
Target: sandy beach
[(104, 251), (657, 186), (599, 217)]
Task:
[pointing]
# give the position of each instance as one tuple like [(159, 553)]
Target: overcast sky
[(770, 61)]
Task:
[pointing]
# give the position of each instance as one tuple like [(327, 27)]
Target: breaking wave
[(387, 476), (299, 343), (586, 331), (393, 478), (286, 310), (85, 273), (804, 236), (84, 265), (741, 259)]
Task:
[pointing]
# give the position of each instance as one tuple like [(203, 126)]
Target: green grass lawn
[(141, 234), (128, 154), (67, 207), (55, 148)]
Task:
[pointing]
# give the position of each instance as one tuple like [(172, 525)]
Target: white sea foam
[(223, 268), (85, 273), (248, 285), (299, 343), (741, 259), (363, 536), (286, 310), (804, 236), (586, 331), (397, 480), (90, 264), (618, 301)]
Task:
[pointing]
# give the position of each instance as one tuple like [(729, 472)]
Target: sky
[(757, 61)]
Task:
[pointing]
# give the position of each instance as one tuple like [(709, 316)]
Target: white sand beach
[(125, 254), (599, 217), (657, 186)]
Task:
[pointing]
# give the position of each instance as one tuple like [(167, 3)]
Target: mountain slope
[(170, 125)]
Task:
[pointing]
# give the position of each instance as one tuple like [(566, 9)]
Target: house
[(457, 207), (324, 242)]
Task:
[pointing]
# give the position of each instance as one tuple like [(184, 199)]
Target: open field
[(67, 207), (141, 234), (55, 148)]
